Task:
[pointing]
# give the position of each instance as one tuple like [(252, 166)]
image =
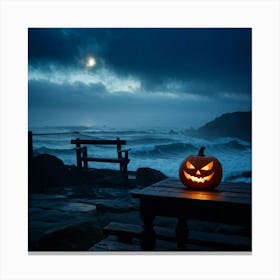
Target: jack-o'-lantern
[(200, 172)]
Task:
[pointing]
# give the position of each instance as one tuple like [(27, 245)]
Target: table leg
[(182, 233), (148, 236)]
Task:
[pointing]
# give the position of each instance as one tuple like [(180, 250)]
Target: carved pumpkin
[(200, 172)]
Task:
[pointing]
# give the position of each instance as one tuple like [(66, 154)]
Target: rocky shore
[(67, 208)]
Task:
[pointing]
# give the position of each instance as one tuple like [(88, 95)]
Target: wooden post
[(125, 172), (126, 154), (30, 162), (182, 233), (30, 145), (78, 154), (119, 151), (85, 157), (148, 236)]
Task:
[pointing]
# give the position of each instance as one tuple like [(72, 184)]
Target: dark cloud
[(214, 56), (63, 47), (186, 76), (182, 53)]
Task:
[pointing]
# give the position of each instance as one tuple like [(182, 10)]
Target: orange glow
[(189, 165), (208, 167), (198, 179)]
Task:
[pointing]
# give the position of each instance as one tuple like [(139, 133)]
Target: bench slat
[(98, 142), (224, 241), (83, 159)]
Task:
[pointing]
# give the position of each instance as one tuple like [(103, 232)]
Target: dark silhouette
[(237, 124), (83, 159)]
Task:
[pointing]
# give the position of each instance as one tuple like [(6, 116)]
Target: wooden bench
[(83, 158), (229, 203), (216, 241)]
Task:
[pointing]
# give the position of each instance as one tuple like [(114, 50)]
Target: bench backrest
[(82, 157), (98, 142)]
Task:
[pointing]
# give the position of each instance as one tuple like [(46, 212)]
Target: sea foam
[(160, 149)]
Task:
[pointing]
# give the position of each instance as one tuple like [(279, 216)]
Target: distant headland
[(237, 124)]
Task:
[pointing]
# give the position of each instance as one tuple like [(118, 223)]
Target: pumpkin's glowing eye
[(189, 165), (207, 167)]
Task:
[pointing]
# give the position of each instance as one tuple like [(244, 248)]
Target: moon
[(90, 62)]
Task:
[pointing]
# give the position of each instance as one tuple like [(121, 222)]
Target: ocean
[(159, 148)]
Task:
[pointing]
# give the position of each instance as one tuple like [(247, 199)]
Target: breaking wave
[(159, 149)]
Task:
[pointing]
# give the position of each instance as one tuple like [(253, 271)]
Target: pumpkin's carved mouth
[(198, 179)]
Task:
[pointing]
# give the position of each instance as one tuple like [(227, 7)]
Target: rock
[(108, 178), (110, 244), (78, 237), (237, 124), (77, 176), (147, 176), (116, 205), (42, 196), (76, 206), (47, 171), (48, 174)]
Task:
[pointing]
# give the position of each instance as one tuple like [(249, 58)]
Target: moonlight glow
[(90, 62)]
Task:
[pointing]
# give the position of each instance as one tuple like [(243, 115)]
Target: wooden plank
[(211, 195), (172, 182), (98, 142), (191, 195), (200, 195), (224, 186), (238, 188), (176, 185), (216, 240)]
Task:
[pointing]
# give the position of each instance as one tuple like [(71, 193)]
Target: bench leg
[(182, 233), (85, 158), (78, 155), (148, 236), (124, 172)]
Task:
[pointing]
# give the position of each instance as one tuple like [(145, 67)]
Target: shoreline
[(68, 207), (47, 173), (69, 215)]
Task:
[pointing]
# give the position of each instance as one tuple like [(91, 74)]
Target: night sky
[(129, 77)]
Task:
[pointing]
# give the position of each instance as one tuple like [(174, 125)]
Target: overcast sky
[(137, 77)]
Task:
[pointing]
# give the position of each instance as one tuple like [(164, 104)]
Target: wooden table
[(229, 203)]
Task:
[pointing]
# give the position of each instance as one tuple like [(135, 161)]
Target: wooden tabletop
[(173, 189)]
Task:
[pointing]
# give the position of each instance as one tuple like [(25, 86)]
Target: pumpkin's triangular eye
[(189, 165), (208, 166)]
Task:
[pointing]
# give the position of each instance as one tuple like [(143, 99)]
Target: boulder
[(77, 237), (146, 176), (47, 171)]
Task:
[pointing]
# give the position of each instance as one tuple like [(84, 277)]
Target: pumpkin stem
[(201, 152)]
